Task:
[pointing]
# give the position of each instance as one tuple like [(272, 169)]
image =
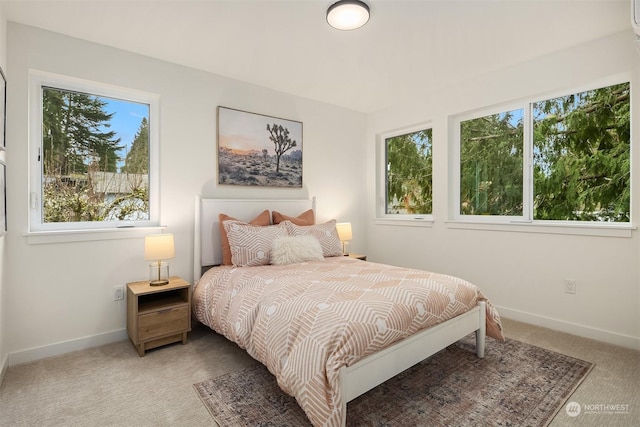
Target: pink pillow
[(261, 220), (305, 218), (251, 245)]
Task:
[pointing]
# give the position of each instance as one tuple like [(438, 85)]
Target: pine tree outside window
[(562, 159), (96, 156), (491, 160), (581, 156), (408, 173)]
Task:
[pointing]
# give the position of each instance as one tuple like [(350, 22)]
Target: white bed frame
[(373, 370)]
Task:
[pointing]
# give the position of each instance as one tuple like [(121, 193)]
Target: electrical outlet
[(118, 293), (570, 286)]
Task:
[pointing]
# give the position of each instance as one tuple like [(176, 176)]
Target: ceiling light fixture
[(348, 14)]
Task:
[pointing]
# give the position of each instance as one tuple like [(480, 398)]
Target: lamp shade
[(348, 14), (344, 231), (159, 246)]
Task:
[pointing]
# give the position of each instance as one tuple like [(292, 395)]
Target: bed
[(329, 328)]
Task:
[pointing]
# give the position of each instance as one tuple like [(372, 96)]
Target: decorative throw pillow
[(262, 219), (305, 218), (294, 249), (326, 234), (250, 244)]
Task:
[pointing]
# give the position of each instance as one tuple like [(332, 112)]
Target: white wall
[(523, 273), (3, 346), (59, 296)]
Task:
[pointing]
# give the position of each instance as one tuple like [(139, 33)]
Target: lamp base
[(345, 252), (158, 273)]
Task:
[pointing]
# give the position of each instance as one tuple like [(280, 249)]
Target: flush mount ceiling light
[(348, 14)]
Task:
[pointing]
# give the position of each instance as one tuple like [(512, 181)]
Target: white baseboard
[(57, 349), (572, 328)]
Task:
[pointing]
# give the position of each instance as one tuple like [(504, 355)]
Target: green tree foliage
[(279, 135), (491, 153), (582, 156), (137, 160), (409, 173), (581, 159), (73, 133)]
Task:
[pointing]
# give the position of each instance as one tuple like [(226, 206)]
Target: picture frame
[(258, 150)]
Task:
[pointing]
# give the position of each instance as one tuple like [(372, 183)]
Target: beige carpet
[(111, 386), (516, 384)]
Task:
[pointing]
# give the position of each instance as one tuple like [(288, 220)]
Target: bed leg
[(343, 396), (481, 332)]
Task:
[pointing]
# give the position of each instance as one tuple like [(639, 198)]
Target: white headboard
[(207, 249)]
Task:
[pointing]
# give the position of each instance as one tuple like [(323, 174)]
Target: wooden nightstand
[(358, 256), (158, 315)]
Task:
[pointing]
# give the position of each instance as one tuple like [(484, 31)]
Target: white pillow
[(294, 249), (326, 234), (250, 244)]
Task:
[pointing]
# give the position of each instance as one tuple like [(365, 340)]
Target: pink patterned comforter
[(306, 321)]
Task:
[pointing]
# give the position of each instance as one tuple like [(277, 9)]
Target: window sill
[(598, 230), (426, 221), (67, 236)]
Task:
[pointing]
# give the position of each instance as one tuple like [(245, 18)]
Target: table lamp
[(158, 247), (344, 234)]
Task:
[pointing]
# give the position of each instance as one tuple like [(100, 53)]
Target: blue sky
[(243, 131), (516, 116)]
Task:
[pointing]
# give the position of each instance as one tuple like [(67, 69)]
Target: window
[(559, 159), (94, 156), (491, 154), (408, 174), (581, 156)]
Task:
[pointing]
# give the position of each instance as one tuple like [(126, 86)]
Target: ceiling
[(407, 48)]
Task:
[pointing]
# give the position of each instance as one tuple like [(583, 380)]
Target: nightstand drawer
[(163, 322)]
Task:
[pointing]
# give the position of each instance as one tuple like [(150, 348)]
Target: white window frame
[(38, 79), (527, 184), (526, 223), (382, 217)]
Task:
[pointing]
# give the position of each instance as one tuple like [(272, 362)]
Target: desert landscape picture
[(258, 150)]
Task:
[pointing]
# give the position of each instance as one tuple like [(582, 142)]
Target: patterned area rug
[(515, 384)]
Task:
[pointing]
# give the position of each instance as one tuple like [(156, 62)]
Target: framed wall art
[(258, 150)]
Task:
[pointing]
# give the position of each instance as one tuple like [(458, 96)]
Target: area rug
[(516, 384)]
